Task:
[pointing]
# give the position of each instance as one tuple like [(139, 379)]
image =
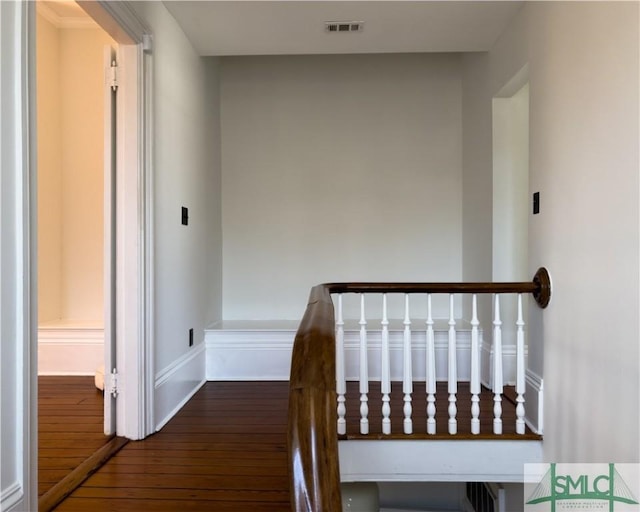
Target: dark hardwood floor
[(419, 413), (70, 426), (226, 450)]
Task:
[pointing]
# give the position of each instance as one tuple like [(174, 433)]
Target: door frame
[(18, 270)]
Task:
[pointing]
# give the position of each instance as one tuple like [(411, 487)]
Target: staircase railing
[(316, 405)]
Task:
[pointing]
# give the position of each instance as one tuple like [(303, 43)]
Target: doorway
[(70, 192), (118, 83), (71, 233)]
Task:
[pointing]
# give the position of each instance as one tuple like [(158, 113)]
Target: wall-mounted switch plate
[(185, 216), (536, 203), (191, 337)]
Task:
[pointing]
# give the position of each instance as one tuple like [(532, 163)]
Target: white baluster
[(407, 384), (385, 384), (497, 369), (475, 369), (341, 384), (520, 386), (453, 371), (364, 371), (431, 372)]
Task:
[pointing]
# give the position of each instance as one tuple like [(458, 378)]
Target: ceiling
[(266, 27)]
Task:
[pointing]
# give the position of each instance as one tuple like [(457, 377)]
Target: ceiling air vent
[(344, 26)]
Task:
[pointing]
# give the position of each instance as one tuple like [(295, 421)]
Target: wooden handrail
[(539, 287), (313, 437)]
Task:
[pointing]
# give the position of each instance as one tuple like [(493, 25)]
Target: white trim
[(18, 272), (436, 460), (534, 401), (70, 350), (148, 235), (178, 382), (11, 496), (71, 334), (126, 18), (65, 22), (248, 355), (170, 370)]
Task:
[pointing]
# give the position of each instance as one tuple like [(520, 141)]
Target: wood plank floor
[(226, 450), (70, 426), (419, 413)]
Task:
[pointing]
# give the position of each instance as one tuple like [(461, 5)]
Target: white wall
[(71, 173), (337, 168), (186, 172), (477, 182), (583, 71), (49, 172), (511, 202), (82, 124)]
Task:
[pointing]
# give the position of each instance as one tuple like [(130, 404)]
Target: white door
[(110, 160)]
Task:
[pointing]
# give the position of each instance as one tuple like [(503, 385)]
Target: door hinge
[(112, 75), (113, 383), (147, 43)]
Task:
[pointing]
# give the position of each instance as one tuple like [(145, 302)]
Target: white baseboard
[(69, 350), (534, 402), (177, 383), (248, 354), (253, 354), (11, 496)]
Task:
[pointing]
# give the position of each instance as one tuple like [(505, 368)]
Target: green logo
[(588, 488)]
